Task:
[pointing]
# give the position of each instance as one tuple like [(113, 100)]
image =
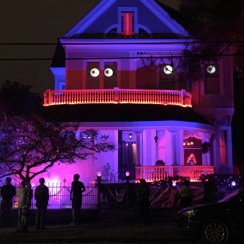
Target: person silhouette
[(144, 202), (77, 188), (8, 191), (25, 195), (42, 197), (185, 194)]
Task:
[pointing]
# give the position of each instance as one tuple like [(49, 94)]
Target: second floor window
[(212, 79), (101, 75)]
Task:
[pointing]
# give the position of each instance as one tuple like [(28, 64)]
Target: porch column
[(139, 147), (170, 147), (206, 156), (161, 145), (224, 165), (179, 150), (229, 150), (216, 152)]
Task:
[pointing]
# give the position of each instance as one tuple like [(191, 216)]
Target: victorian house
[(116, 71)]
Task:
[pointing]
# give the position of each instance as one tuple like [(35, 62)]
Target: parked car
[(218, 222)]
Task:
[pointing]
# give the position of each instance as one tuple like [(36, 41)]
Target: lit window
[(211, 69), (108, 72), (94, 72), (168, 69), (127, 23)]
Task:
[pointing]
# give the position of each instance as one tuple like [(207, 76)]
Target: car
[(217, 222)]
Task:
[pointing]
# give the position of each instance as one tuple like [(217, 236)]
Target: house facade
[(117, 71)]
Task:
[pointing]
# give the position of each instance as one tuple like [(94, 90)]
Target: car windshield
[(231, 195)]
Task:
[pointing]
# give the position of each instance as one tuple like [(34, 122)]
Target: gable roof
[(104, 5)]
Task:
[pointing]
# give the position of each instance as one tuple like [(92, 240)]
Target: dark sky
[(34, 21)]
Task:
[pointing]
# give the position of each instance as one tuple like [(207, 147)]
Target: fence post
[(99, 178)]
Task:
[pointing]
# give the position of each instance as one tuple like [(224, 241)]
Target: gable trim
[(102, 7), (162, 14), (90, 18)]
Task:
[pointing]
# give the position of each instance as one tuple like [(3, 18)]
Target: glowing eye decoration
[(211, 69), (94, 72), (168, 69), (108, 72)]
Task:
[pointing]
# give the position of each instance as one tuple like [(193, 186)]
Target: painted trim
[(164, 17), (102, 7), (141, 125), (144, 28), (58, 70), (90, 18), (110, 28)]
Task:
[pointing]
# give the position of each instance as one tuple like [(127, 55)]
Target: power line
[(112, 43), (131, 57)]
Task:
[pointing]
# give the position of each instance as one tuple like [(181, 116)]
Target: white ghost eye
[(108, 72), (168, 69), (211, 69), (94, 72)]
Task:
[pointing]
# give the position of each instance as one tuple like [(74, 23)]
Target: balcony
[(116, 95), (157, 173)]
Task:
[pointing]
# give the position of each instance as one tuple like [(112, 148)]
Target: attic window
[(127, 23)]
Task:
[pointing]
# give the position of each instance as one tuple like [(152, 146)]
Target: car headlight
[(191, 213)]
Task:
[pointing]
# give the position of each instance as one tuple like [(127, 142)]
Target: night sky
[(28, 21)]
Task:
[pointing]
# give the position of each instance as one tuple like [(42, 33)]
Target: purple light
[(233, 183), (127, 173), (174, 183)]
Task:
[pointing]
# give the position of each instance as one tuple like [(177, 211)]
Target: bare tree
[(217, 29), (29, 147)]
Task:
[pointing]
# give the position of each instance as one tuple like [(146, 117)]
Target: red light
[(128, 24)]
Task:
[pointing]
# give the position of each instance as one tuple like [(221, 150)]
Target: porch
[(158, 173)]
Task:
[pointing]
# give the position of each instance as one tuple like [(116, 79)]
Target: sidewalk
[(113, 226)]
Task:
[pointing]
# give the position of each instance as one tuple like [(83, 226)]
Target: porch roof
[(121, 112)]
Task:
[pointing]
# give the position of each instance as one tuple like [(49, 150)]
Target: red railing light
[(157, 173), (116, 95)]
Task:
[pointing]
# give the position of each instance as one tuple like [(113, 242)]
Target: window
[(212, 79), (92, 75), (127, 23), (192, 151), (101, 75), (167, 77), (110, 75)]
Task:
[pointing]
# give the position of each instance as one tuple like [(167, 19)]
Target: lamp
[(127, 177)]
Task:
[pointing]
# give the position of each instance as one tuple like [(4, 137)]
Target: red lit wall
[(74, 79)]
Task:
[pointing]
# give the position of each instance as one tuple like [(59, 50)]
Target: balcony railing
[(157, 173), (116, 95)]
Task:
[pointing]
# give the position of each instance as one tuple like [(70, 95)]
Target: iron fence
[(59, 197)]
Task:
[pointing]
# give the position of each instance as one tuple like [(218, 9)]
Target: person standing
[(144, 202), (185, 194), (210, 191), (25, 195), (77, 188), (42, 197), (8, 191)]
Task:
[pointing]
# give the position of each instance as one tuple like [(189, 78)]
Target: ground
[(112, 226)]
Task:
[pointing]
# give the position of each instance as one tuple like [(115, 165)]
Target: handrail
[(117, 95), (157, 173)]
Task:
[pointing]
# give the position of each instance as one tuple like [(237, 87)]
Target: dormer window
[(127, 22)]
